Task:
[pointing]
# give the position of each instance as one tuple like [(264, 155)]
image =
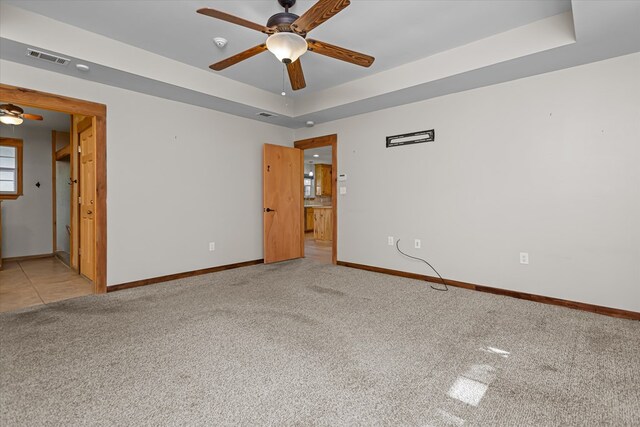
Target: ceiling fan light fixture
[(287, 47), (11, 120)]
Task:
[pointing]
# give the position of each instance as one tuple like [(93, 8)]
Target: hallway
[(317, 250), (39, 281)]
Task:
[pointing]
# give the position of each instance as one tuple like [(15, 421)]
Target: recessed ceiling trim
[(539, 36), (481, 63), (18, 24)]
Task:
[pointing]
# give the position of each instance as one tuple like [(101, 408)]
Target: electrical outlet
[(524, 258), (390, 240), (417, 244), (212, 246)]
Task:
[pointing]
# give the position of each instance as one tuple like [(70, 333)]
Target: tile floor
[(39, 281), (64, 257), (317, 250)]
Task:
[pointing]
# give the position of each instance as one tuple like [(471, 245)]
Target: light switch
[(343, 190)]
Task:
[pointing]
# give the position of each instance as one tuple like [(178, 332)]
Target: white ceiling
[(394, 32), (423, 49), (324, 155)]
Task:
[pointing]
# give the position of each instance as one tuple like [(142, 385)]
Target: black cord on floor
[(426, 262)]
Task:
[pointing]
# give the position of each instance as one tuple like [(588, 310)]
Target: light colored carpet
[(300, 343)]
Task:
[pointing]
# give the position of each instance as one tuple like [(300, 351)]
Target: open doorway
[(70, 179), (318, 221), (320, 198), (61, 194), (35, 172)]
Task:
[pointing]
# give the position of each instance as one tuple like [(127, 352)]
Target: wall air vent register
[(265, 114), (47, 57)]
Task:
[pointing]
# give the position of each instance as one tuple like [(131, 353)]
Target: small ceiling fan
[(287, 38), (13, 115)]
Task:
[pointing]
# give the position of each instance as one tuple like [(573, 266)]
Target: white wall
[(63, 195), (548, 165), (63, 204), (179, 177), (27, 225)]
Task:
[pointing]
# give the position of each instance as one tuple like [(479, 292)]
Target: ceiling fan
[(13, 115), (287, 38)]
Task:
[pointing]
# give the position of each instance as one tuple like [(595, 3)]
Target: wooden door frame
[(324, 141), (63, 104)]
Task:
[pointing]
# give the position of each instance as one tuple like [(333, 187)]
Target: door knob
[(269, 210)]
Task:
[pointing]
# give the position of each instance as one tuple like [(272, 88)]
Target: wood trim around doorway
[(63, 104), (324, 141)]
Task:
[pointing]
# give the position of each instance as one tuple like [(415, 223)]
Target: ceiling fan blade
[(11, 109), (31, 117), (319, 13), (235, 20), (296, 76), (340, 53), (232, 60)]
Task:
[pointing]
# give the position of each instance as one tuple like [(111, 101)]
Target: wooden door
[(327, 177), (308, 223), (282, 203), (323, 224), (324, 177), (318, 179), (87, 203)]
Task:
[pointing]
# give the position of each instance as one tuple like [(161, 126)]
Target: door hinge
[(79, 149), (79, 251), (79, 200)]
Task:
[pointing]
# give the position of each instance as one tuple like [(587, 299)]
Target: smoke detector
[(310, 123), (220, 42)]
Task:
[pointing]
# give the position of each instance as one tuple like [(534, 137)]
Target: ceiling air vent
[(265, 114), (47, 57)]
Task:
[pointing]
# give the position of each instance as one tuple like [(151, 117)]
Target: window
[(10, 168)]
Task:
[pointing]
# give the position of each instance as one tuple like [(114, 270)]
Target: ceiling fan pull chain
[(283, 68)]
